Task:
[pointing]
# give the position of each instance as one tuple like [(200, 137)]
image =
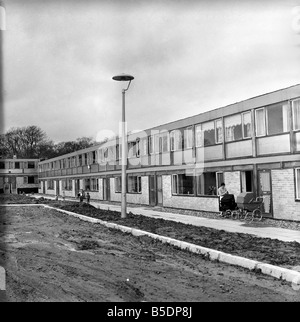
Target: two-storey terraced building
[(18, 175), (252, 146)]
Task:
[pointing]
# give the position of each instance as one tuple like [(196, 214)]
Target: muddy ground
[(50, 256), (271, 251)]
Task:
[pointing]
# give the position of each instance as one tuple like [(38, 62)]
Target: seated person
[(222, 190)]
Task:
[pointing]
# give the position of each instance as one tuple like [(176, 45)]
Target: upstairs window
[(176, 140), (151, 144), (209, 133), (277, 119), (272, 120), (296, 114), (31, 165), (188, 137), (247, 124), (260, 122), (233, 128), (164, 142)]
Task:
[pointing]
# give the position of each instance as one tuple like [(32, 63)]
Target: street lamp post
[(123, 78)]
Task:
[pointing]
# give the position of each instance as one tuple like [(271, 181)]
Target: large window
[(207, 184), (233, 128), (209, 133), (2, 165), (296, 114), (67, 184), (134, 184), (182, 184), (297, 173), (277, 119), (176, 140), (273, 119)]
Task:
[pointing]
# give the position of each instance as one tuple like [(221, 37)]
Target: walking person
[(88, 197)]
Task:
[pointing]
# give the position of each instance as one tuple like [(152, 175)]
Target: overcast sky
[(187, 57)]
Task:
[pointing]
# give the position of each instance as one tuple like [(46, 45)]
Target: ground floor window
[(207, 183), (246, 181), (67, 184), (182, 184), (94, 184), (297, 183), (118, 184), (87, 184), (50, 184), (134, 184)]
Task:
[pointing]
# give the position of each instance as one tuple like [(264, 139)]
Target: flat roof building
[(252, 146)]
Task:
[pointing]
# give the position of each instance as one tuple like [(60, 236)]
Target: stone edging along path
[(211, 254)]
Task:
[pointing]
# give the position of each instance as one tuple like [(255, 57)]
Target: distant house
[(18, 175), (252, 146)]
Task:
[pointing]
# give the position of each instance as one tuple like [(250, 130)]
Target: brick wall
[(283, 195), (233, 182), (183, 202)]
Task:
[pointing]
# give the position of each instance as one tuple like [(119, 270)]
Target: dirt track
[(54, 257)]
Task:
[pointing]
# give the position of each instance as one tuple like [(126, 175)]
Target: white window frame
[(265, 122), (294, 128), (243, 131), (174, 184), (216, 133), (297, 179), (151, 144), (165, 135), (187, 144)]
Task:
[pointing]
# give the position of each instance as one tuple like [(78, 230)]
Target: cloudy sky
[(187, 57)]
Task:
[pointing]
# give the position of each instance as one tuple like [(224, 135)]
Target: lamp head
[(123, 77)]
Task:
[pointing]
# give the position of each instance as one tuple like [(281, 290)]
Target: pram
[(249, 207), (227, 204)]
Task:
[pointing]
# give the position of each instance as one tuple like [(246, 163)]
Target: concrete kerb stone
[(211, 254)]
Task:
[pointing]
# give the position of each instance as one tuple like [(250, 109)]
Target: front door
[(265, 191), (152, 190), (159, 190), (77, 187), (106, 189), (57, 187)]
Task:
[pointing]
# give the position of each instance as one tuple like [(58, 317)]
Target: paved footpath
[(221, 224), (229, 225)]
